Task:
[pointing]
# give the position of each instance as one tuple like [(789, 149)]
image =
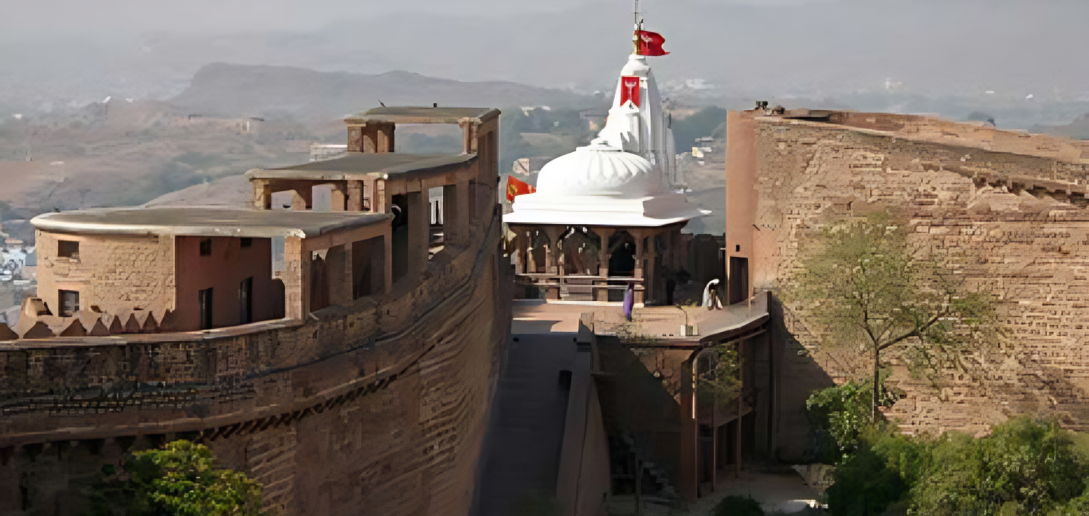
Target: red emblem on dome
[(631, 88)]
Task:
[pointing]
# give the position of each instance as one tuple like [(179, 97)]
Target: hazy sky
[(82, 17)]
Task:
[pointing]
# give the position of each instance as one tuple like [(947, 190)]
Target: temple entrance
[(621, 262)]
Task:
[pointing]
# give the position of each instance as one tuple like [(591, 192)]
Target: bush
[(179, 480), (737, 506), (1024, 467), (837, 416), (878, 474)]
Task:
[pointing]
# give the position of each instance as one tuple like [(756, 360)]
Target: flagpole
[(635, 32)]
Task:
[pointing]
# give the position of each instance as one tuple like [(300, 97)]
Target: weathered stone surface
[(1001, 209), (379, 407)]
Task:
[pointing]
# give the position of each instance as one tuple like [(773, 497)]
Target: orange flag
[(516, 187)]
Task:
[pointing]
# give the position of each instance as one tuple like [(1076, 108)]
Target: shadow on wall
[(637, 407), (799, 376)]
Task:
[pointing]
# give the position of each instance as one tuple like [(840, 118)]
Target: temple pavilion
[(604, 215)]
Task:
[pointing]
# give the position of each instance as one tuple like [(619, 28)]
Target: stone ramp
[(523, 445)]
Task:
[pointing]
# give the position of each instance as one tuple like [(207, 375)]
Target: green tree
[(1024, 467), (866, 286), (179, 480)]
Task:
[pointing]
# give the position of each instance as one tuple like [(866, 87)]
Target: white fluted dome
[(599, 170)]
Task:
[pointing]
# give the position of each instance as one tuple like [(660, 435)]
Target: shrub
[(737, 506), (179, 480)]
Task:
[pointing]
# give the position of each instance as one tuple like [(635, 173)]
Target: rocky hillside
[(240, 90)]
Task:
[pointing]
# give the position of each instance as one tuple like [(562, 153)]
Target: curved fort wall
[(377, 407), (1006, 210)]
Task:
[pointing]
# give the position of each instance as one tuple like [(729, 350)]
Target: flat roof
[(204, 222), (357, 165), (424, 115)]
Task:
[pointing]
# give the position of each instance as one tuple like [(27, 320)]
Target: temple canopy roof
[(599, 169)]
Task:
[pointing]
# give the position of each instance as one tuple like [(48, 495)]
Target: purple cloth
[(629, 301)]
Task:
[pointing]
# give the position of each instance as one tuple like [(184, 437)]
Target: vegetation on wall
[(181, 479), (869, 288), (1025, 466)]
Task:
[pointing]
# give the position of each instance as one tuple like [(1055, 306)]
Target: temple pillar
[(652, 291), (604, 255), (531, 259), (355, 196), (640, 256), (419, 226), (554, 259), (687, 476), (262, 194), (296, 278)]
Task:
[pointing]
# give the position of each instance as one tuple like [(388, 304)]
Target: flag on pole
[(650, 43), (516, 187)]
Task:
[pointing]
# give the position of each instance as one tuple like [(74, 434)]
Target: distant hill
[(241, 90), (1078, 129)]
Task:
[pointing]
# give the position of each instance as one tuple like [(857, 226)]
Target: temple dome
[(599, 170)]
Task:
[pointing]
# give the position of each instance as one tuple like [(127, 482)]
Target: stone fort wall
[(376, 408), (1008, 218)]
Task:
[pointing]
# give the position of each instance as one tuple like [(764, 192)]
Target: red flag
[(650, 43), (516, 187), (630, 89)]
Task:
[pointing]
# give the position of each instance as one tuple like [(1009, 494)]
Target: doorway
[(739, 280)]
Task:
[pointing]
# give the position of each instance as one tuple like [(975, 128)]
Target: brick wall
[(980, 210), (116, 273), (378, 407)]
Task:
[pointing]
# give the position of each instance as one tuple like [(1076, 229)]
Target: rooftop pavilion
[(437, 199), (192, 268), (169, 268)]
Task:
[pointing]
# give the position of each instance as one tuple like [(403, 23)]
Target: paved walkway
[(527, 431), (777, 494), (661, 322)]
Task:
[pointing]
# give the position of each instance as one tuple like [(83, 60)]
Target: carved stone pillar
[(604, 256), (296, 279), (262, 194), (419, 226), (355, 196), (338, 197), (640, 256)]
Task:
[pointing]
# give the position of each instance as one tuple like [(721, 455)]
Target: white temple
[(623, 177), (615, 190)]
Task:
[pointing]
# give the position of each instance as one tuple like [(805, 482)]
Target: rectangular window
[(247, 242), (69, 301), (245, 301), (68, 249), (206, 247), (205, 309)]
